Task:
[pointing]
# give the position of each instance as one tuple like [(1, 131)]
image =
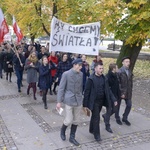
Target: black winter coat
[(1, 57), (91, 92), (113, 82), (8, 62), (45, 79)]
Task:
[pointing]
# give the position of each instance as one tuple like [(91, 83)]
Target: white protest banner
[(80, 39)]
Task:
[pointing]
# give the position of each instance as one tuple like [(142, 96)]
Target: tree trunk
[(32, 38), (38, 9), (131, 51), (55, 8)]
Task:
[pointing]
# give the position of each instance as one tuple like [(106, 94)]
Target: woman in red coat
[(53, 62)]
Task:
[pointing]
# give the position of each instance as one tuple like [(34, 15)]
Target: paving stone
[(124, 138), (5, 137)]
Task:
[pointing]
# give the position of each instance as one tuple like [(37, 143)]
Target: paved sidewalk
[(26, 125)]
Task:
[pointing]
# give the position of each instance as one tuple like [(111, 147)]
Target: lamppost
[(114, 45)]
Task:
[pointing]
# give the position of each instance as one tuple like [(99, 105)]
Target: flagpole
[(16, 53)]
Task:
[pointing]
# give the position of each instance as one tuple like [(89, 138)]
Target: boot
[(34, 90), (45, 102), (44, 98), (28, 89), (50, 92), (45, 106), (62, 132), (72, 135), (10, 77), (6, 76), (54, 89), (19, 90), (54, 92), (34, 97)]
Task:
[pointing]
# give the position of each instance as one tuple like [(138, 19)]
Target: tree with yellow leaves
[(33, 16), (128, 20)]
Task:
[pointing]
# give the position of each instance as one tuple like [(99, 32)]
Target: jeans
[(127, 109), (19, 74)]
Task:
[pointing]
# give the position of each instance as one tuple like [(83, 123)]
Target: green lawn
[(141, 69), (145, 50)]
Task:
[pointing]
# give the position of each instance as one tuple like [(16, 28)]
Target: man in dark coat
[(96, 95), (42, 53), (19, 61), (114, 88), (126, 83)]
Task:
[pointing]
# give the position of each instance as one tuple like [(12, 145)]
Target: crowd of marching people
[(79, 84), (44, 69)]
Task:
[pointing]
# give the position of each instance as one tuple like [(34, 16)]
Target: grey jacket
[(32, 72), (70, 88)]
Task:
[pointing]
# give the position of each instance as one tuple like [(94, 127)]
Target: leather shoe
[(19, 90), (126, 122), (109, 129), (98, 140), (45, 106), (119, 122), (54, 92)]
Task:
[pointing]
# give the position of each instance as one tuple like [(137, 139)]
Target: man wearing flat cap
[(126, 83), (70, 93)]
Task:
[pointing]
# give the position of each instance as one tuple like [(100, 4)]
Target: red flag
[(3, 26), (17, 30)]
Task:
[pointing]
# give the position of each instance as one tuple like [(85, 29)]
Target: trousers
[(95, 119), (72, 115), (126, 111), (19, 74), (110, 111)]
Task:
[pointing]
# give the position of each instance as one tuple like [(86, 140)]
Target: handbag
[(10, 66)]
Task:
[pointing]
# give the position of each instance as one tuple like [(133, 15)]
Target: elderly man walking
[(70, 93), (126, 84)]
